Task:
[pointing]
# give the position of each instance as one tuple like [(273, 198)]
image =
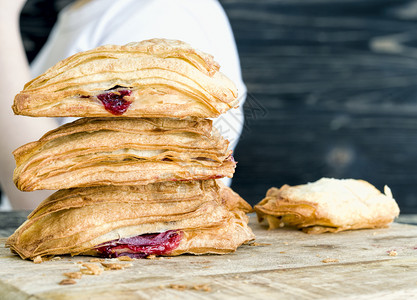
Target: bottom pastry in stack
[(167, 218)]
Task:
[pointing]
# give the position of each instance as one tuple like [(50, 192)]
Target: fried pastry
[(152, 78), (168, 218), (328, 205), (123, 151), (232, 200)]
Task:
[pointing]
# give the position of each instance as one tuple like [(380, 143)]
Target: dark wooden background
[(332, 91)]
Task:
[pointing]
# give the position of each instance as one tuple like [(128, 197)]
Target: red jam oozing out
[(142, 245), (113, 101)]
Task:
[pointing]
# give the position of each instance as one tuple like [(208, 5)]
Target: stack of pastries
[(138, 173)]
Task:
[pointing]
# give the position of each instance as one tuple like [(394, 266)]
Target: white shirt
[(201, 23)]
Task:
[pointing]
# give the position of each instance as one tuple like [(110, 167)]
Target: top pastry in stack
[(137, 173)]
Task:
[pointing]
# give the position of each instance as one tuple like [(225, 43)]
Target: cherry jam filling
[(141, 246), (113, 101)]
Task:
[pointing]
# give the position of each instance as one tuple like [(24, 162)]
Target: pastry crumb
[(178, 287), (38, 259), (392, 253), (255, 244), (91, 269), (67, 282), (125, 258), (152, 256), (330, 260), (95, 259), (57, 258), (115, 266), (196, 287), (202, 287), (73, 275)]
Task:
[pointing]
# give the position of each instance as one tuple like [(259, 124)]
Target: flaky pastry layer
[(232, 200), (328, 205), (75, 221), (123, 151), (163, 78)]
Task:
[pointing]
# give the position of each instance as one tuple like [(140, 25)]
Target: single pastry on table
[(168, 218), (328, 205), (152, 78), (123, 151)]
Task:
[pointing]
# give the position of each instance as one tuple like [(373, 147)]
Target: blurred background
[(337, 86), (332, 90)]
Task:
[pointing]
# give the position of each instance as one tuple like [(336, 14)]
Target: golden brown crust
[(167, 78), (217, 240), (122, 151), (232, 200), (328, 205), (76, 220)]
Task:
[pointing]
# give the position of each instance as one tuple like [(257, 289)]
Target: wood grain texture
[(285, 264), (333, 86)]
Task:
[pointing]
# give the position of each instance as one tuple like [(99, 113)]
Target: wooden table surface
[(284, 264)]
